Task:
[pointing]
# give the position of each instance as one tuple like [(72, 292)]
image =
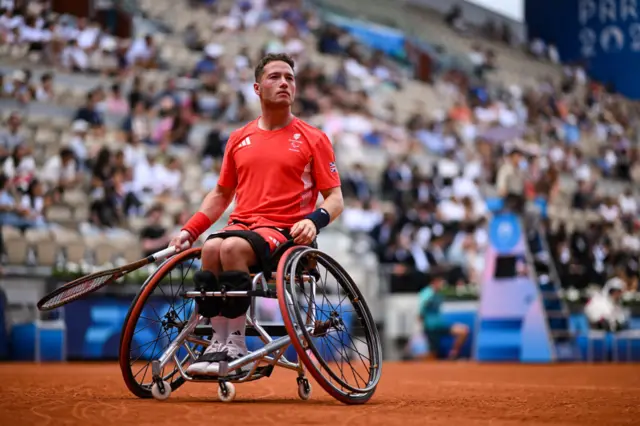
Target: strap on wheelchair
[(258, 244)]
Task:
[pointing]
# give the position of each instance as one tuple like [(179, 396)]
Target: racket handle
[(163, 253)]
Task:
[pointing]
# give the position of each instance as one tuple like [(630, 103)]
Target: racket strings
[(79, 289)]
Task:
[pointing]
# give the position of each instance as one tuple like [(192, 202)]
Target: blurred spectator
[(434, 327), (60, 172), (360, 216), (138, 124), (45, 91), (34, 205), (209, 62), (11, 211), (115, 102), (90, 113), (455, 19), (20, 167), (604, 310), (154, 236), (11, 136), (355, 183), (143, 53), (510, 180), (78, 142)]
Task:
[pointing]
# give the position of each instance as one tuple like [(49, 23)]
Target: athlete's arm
[(333, 202), (305, 231), (212, 207), (216, 202), (325, 174)]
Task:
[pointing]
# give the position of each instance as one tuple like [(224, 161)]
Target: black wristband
[(320, 218)]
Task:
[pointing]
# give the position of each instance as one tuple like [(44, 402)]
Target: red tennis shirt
[(277, 174)]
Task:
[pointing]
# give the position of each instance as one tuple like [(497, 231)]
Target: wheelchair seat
[(274, 258)]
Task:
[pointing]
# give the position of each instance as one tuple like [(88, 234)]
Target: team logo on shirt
[(332, 167)]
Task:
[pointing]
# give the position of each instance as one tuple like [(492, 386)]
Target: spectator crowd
[(420, 184)]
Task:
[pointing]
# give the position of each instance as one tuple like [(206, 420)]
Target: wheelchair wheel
[(331, 326), (154, 320)]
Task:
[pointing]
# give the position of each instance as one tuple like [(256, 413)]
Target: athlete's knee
[(236, 250), (234, 307), (210, 253)]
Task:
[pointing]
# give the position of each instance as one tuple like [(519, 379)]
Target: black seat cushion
[(274, 259)]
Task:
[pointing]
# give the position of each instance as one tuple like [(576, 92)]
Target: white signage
[(618, 25)]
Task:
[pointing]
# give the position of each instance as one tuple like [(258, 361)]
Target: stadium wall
[(89, 329), (476, 14)]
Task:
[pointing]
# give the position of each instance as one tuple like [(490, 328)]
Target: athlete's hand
[(182, 241), (303, 232)]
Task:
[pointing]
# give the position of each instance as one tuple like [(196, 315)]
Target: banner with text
[(605, 33)]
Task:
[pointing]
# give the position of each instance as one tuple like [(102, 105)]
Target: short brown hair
[(272, 57)]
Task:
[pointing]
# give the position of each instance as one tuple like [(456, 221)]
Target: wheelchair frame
[(300, 326), (272, 353)]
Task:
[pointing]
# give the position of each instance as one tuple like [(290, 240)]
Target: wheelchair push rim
[(158, 312), (330, 322)]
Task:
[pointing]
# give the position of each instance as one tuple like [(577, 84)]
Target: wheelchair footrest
[(273, 330), (263, 371), (195, 294)]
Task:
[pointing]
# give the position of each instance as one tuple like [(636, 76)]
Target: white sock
[(237, 328), (220, 326)]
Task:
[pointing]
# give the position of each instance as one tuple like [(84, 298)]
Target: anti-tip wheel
[(226, 392), (163, 394), (304, 389)]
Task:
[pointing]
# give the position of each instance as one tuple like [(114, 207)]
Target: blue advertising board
[(605, 33), (94, 326)]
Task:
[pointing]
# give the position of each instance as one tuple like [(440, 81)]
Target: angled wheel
[(154, 320), (330, 324)]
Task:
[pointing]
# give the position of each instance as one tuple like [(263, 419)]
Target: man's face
[(616, 296), (14, 122), (437, 284), (516, 157), (277, 85)]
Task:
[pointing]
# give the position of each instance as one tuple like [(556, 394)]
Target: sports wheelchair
[(327, 336)]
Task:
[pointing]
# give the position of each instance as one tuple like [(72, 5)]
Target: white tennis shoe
[(235, 348), (212, 355)]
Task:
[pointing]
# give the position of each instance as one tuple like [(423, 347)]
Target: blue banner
[(386, 39), (94, 326), (605, 33)]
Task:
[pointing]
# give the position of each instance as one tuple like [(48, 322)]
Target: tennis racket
[(93, 282)]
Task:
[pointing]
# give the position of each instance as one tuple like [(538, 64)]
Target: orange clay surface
[(408, 394)]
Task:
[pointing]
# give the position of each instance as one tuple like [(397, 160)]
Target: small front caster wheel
[(304, 389), (161, 390), (226, 392)]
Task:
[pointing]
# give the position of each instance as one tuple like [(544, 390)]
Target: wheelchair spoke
[(341, 358), (342, 325), (163, 314)]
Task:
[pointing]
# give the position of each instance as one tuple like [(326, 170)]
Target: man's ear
[(256, 88)]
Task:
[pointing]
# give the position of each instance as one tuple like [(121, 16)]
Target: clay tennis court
[(411, 393)]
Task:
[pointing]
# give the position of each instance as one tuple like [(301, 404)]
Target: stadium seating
[(47, 126)]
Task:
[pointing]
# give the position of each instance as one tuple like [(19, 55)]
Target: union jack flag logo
[(332, 167)]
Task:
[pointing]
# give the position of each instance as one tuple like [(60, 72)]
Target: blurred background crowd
[(109, 143)]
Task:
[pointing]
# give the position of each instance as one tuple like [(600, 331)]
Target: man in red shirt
[(275, 166)]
